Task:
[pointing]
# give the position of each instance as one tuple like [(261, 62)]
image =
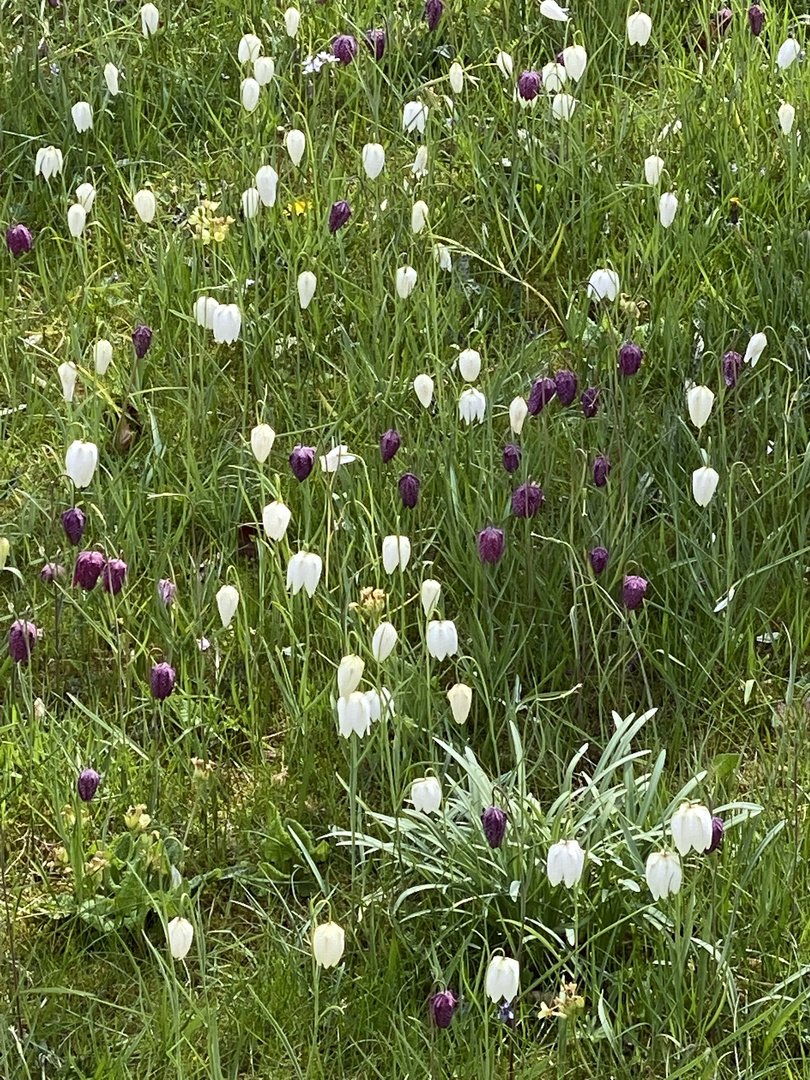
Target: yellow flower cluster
[(206, 226)]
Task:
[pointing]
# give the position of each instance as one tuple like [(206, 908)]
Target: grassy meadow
[(158, 914)]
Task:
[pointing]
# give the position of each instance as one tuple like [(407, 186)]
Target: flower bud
[(756, 19), (590, 402), (460, 699), (339, 215), (141, 340), (344, 49), (511, 457), (162, 680), (599, 559), (87, 784), (527, 500), (167, 590), (112, 576), (89, 565), (22, 637), (19, 240), (529, 84), (409, 490), (390, 442), (732, 366), (376, 40), (262, 438), (73, 522), (633, 591), (566, 385), (494, 822), (630, 357), (433, 13), (442, 1008), (490, 544), (51, 572), (717, 823), (302, 460), (601, 468)]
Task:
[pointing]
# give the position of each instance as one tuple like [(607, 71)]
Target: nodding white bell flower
[(787, 114), (111, 79), (420, 163), (250, 94), (456, 77), (354, 715), (699, 401), (102, 356), (653, 167), (296, 143), (81, 460), (667, 208), (396, 553), (267, 184), (263, 70), (150, 18), (82, 116), (426, 795), (788, 52), (380, 704), (349, 673), (565, 863), (503, 979), (663, 873), (327, 944), (204, 308), (755, 348), (554, 77), (373, 160), (441, 253), (306, 288), (704, 484), (249, 48), (86, 195), (518, 411), (292, 20), (145, 205), (304, 571), (49, 162), (262, 438), (604, 285), (337, 456), (575, 59), (441, 638), (552, 10), (505, 64), (275, 518), (67, 376), (472, 405), (563, 106), (423, 387), (639, 28), (419, 216), (179, 934), (227, 603), (460, 698), (692, 828), (227, 323), (384, 641), (430, 592), (251, 202), (405, 281), (414, 116), (76, 219), (469, 364)]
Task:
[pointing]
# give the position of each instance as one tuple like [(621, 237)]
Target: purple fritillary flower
[(528, 85), (89, 565), (633, 591), (50, 572), (433, 13), (630, 357), (732, 366), (19, 240), (566, 384), (376, 40), (543, 390), (390, 442), (756, 19), (494, 822), (167, 590), (73, 522), (511, 457), (22, 637), (409, 490), (141, 340), (601, 468), (87, 784), (301, 461), (442, 1008), (717, 835), (722, 20), (527, 500), (344, 47), (339, 215), (490, 544), (590, 401), (506, 1013), (161, 680), (599, 559), (112, 576)]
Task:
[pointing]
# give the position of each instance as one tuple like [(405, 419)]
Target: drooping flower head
[(73, 522), (442, 1008), (22, 637), (566, 383), (409, 490), (599, 559), (376, 40), (756, 19), (529, 83), (494, 820), (344, 48), (717, 833), (51, 572), (302, 460), (511, 457), (721, 21), (543, 390), (490, 544), (390, 442), (141, 340), (732, 366), (19, 240), (630, 357), (339, 215), (601, 468), (162, 680), (87, 784), (113, 575), (527, 500), (167, 590), (433, 13), (633, 591), (590, 402), (89, 565)]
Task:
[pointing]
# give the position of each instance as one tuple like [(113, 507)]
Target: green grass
[(290, 824)]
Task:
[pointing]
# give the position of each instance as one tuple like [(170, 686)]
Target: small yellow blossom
[(567, 1003), (206, 226), (298, 207)]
